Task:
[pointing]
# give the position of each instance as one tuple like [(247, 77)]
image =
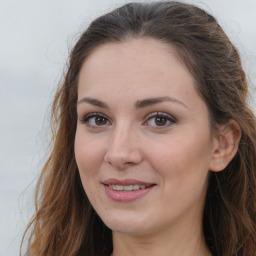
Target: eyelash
[(89, 116), (167, 117)]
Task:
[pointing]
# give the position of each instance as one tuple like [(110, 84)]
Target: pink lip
[(126, 182), (124, 196)]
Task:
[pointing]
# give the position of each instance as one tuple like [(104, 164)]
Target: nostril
[(122, 154)]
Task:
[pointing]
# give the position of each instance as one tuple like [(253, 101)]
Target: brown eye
[(100, 120), (96, 120), (160, 121)]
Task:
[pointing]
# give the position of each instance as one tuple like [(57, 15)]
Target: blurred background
[(35, 40)]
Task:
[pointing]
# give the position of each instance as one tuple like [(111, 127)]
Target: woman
[(154, 148)]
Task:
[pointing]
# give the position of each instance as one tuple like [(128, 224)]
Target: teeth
[(127, 188)]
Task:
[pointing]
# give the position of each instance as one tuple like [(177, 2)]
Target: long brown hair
[(64, 222)]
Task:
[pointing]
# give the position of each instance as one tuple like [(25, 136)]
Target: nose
[(123, 148)]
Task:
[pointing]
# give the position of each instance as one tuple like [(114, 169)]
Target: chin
[(127, 224)]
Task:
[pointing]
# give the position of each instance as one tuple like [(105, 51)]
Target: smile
[(127, 188)]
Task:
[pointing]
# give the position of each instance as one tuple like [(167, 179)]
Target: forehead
[(148, 67), (134, 56), (134, 49), (130, 54)]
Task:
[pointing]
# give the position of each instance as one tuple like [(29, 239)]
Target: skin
[(128, 143)]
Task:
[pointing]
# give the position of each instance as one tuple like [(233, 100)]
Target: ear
[(225, 145)]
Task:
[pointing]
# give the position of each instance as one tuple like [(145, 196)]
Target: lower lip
[(126, 196)]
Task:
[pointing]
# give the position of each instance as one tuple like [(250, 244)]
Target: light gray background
[(35, 38)]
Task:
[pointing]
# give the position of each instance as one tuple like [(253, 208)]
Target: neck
[(187, 241)]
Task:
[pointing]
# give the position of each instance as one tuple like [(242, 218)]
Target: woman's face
[(143, 144)]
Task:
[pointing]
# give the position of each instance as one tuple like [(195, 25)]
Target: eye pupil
[(160, 121), (100, 120)]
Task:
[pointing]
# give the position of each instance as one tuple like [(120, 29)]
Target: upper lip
[(126, 182)]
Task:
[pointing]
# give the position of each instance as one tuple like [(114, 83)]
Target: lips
[(126, 182), (126, 190), (127, 187)]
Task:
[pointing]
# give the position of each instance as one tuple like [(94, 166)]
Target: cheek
[(88, 154), (183, 159), (88, 159)]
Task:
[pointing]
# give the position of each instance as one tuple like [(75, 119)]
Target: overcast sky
[(35, 37)]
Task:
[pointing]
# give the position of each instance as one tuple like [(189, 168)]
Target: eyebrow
[(139, 104), (152, 101), (94, 102)]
